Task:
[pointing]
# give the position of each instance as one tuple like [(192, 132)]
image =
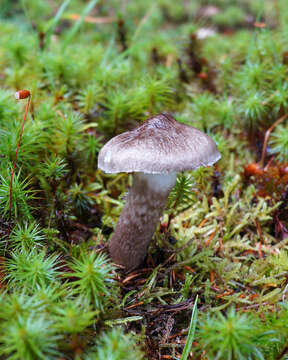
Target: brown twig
[(92, 19), (211, 237)]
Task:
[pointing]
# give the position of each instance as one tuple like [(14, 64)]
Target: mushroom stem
[(135, 228)]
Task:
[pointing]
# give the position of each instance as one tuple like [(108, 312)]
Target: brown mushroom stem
[(135, 228)]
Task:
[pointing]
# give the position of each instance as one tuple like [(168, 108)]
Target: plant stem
[(267, 134), (16, 153)]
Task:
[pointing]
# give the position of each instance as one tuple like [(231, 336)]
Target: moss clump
[(95, 70)]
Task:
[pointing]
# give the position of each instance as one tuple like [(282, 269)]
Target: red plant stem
[(267, 134), (16, 153)]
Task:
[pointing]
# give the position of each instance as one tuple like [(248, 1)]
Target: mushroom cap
[(159, 145)]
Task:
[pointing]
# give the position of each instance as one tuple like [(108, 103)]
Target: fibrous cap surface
[(159, 145)]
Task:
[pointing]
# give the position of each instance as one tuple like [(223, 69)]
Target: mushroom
[(154, 152)]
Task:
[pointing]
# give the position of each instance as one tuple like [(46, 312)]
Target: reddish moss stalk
[(22, 94)]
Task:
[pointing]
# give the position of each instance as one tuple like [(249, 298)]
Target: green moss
[(223, 235)]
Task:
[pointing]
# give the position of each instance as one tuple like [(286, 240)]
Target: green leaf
[(54, 22), (191, 332), (79, 22)]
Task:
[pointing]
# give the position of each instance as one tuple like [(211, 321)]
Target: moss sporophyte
[(19, 95)]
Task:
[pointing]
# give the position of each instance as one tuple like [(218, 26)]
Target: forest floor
[(214, 284)]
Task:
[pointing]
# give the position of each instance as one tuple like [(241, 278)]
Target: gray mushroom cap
[(160, 145)]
